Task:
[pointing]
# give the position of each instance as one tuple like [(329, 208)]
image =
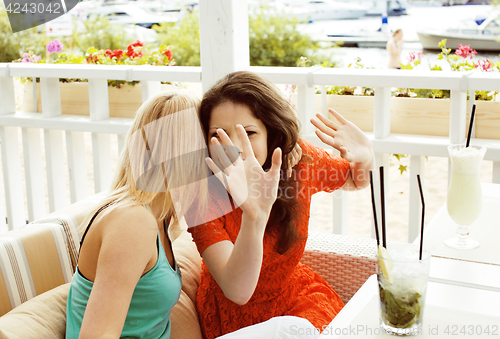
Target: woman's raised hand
[(347, 138), (253, 189)]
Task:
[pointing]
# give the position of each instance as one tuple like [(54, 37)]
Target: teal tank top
[(148, 316)]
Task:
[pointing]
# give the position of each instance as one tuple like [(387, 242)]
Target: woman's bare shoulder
[(128, 221)]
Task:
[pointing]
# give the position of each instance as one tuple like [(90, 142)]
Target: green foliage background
[(274, 40), (98, 32), (12, 44)]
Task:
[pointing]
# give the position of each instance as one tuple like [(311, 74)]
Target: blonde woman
[(127, 279)]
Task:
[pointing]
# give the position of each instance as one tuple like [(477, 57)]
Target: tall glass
[(402, 279), (464, 200)]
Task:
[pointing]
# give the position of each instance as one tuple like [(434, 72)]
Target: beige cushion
[(43, 317), (185, 323), (189, 260)]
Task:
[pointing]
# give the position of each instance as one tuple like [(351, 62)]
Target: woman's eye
[(214, 135), (249, 133)]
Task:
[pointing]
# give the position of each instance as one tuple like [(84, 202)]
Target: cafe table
[(463, 293)]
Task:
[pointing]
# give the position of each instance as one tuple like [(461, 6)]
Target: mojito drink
[(402, 279)]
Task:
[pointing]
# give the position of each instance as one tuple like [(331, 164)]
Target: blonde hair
[(163, 159)]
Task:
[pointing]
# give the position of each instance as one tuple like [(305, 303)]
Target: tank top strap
[(92, 220)]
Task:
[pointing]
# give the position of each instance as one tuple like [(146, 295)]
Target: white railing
[(55, 128)]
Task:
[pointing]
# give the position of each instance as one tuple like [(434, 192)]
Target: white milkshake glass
[(464, 200)]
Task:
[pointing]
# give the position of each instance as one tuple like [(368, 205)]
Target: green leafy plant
[(460, 61), (184, 37), (98, 32), (135, 54), (274, 38), (11, 44)]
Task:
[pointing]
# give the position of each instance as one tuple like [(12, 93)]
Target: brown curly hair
[(267, 104)]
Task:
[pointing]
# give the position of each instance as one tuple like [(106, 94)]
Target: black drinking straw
[(384, 240), (471, 122), (374, 209), (423, 214)]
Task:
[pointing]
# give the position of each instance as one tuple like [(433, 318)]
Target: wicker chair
[(345, 262)]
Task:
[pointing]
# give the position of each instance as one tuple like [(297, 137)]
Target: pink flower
[(28, 58), (465, 51), (414, 56), (484, 65), (54, 46)]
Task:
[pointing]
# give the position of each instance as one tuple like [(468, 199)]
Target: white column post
[(224, 41), (381, 130)]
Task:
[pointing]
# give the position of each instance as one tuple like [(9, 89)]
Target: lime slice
[(385, 263)]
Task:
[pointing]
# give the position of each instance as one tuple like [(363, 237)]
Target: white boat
[(130, 14), (329, 10), (483, 37)]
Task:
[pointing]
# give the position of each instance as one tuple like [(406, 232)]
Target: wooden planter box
[(123, 101), (420, 116)]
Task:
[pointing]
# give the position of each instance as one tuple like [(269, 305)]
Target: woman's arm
[(353, 145), (236, 268), (127, 246)]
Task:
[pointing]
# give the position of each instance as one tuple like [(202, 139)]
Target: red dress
[(285, 286)]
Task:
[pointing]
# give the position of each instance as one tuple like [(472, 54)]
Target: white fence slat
[(471, 102), (496, 172), (121, 143), (382, 112), (67, 122), (415, 205), (224, 39), (340, 212), (7, 97), (56, 178), (71, 71), (305, 108), (458, 106), (51, 97), (381, 159), (13, 184), (324, 105), (77, 166), (33, 171), (98, 99), (150, 88), (101, 151)]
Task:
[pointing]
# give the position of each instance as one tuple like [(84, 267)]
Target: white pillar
[(224, 41)]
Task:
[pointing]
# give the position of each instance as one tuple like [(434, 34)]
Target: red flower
[(131, 52), (168, 54), (117, 53), (484, 65), (109, 53), (92, 59), (465, 51), (137, 43)]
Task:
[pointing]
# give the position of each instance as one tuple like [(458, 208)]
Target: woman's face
[(227, 115)]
